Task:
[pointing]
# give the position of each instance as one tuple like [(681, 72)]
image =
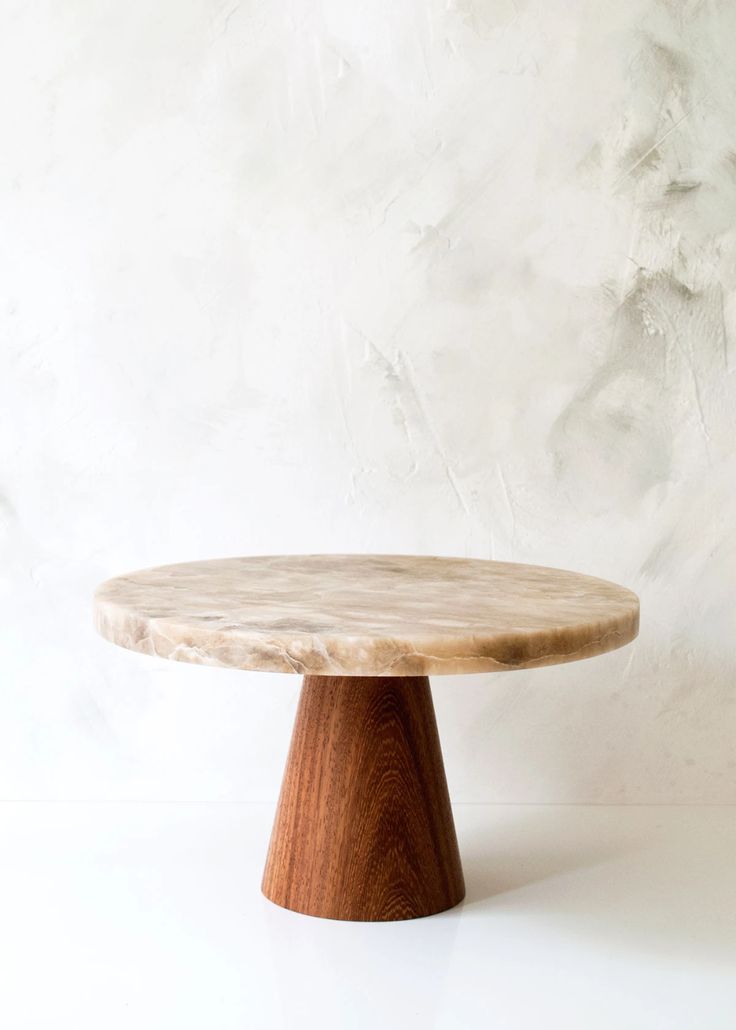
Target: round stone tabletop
[(365, 615)]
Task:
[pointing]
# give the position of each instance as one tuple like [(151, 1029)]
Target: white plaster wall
[(404, 276)]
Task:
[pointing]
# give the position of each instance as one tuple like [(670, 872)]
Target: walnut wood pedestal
[(363, 828)]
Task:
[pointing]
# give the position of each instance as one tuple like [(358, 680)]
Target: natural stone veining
[(364, 615)]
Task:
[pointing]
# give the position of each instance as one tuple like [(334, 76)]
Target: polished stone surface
[(365, 615)]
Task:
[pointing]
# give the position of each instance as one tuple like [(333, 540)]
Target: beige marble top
[(365, 615)]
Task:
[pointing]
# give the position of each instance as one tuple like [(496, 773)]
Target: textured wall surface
[(408, 277)]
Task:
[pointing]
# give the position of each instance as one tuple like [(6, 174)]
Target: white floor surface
[(150, 916)]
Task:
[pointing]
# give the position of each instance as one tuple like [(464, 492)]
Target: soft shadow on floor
[(652, 878), (519, 847)]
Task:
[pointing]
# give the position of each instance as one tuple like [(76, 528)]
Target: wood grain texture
[(364, 829)]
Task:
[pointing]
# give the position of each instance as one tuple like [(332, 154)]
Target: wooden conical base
[(363, 828)]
